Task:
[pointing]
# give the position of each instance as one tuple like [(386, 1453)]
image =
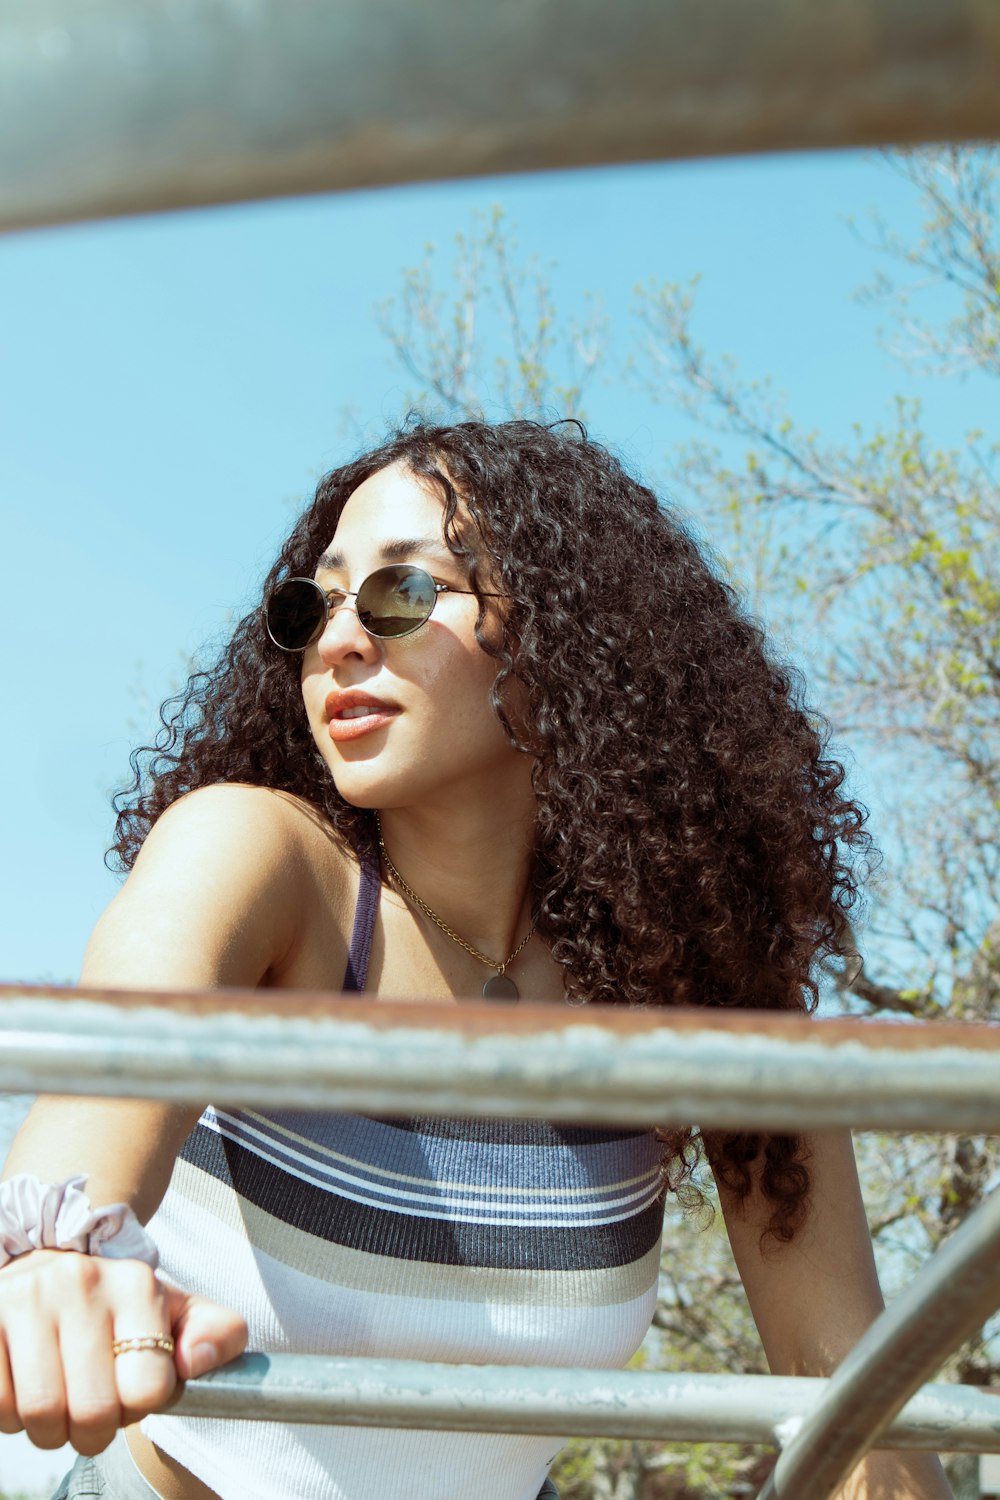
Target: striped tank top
[(464, 1241)]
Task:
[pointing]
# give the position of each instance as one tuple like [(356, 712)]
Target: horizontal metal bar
[(590, 1403), (950, 1297), (555, 1061), (120, 106)]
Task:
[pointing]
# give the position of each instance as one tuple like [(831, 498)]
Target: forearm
[(897, 1476), (126, 1147), (60, 1312), (814, 1298)]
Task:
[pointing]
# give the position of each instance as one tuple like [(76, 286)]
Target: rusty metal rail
[(123, 106), (760, 1070)]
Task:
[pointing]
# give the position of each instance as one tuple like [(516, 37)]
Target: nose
[(344, 636)]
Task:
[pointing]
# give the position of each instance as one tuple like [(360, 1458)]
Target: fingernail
[(203, 1357)]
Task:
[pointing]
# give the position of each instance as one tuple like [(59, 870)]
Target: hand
[(60, 1312)]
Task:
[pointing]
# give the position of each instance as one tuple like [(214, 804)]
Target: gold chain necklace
[(498, 986)]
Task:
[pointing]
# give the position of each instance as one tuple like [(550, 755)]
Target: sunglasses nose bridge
[(330, 634)]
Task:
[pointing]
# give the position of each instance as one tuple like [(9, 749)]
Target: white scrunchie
[(36, 1215)]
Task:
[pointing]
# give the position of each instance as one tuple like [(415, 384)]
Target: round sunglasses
[(390, 603)]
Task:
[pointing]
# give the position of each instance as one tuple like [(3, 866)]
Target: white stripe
[(445, 1210), (238, 1131), (272, 1129)]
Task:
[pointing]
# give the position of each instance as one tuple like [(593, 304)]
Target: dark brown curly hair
[(693, 845)]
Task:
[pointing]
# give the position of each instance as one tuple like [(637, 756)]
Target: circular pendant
[(499, 987)]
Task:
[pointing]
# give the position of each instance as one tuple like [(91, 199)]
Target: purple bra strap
[(356, 973)]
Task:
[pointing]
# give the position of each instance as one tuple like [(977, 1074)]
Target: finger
[(36, 1373), (93, 1408), (145, 1378), (207, 1335), (9, 1419)]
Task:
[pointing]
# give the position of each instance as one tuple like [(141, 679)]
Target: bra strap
[(356, 973)]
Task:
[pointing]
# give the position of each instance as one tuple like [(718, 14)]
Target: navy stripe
[(385, 1232)]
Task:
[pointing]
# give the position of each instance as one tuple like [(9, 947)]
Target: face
[(408, 721)]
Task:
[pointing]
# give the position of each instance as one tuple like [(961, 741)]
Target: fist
[(60, 1314)]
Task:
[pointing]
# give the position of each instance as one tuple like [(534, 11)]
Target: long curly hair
[(693, 843)]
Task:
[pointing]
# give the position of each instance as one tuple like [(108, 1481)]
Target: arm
[(813, 1299), (212, 901)]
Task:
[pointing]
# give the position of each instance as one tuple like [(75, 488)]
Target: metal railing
[(753, 1071), (749, 1070), (121, 106)]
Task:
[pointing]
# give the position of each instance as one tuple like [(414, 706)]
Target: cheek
[(313, 685), (456, 686), (468, 673)]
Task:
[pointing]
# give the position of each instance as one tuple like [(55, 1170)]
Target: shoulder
[(218, 892), (247, 839), (232, 818)]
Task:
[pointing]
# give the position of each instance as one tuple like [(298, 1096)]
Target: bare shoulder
[(232, 817), (218, 891)]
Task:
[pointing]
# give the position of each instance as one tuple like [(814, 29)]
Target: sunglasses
[(390, 603)]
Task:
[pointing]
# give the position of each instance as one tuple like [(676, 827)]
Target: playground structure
[(754, 1071), (126, 106)]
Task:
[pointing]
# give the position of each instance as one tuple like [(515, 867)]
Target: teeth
[(359, 711)]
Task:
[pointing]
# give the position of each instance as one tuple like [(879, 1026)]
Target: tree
[(880, 555), (497, 330), (894, 581)]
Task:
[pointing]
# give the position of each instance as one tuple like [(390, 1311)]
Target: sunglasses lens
[(395, 601), (296, 613)]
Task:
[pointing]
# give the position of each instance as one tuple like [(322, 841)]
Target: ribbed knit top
[(465, 1241)]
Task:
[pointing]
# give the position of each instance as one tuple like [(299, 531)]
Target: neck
[(471, 868)]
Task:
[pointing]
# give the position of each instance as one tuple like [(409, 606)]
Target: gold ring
[(161, 1341)]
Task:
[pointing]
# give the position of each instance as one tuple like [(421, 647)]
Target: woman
[(498, 729)]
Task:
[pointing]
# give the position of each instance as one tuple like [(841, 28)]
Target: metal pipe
[(749, 1071), (588, 1403), (123, 106), (951, 1296)]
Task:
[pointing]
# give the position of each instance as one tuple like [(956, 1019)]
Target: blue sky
[(171, 388)]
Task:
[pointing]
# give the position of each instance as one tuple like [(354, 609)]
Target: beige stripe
[(339, 1265)]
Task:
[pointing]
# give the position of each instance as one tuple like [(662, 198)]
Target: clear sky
[(172, 387)]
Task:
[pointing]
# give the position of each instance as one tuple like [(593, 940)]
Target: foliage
[(495, 339), (882, 554), (879, 556)]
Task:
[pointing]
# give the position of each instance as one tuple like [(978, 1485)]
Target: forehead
[(392, 502), (394, 516)]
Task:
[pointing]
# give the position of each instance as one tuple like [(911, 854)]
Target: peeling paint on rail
[(750, 1070)]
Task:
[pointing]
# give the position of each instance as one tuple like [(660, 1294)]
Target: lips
[(350, 713)]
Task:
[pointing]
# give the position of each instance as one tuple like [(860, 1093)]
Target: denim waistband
[(111, 1475), (114, 1475), (125, 1479)]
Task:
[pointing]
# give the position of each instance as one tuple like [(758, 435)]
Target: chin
[(365, 786), (361, 800)]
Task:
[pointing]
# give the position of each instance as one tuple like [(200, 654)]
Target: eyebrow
[(394, 550)]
